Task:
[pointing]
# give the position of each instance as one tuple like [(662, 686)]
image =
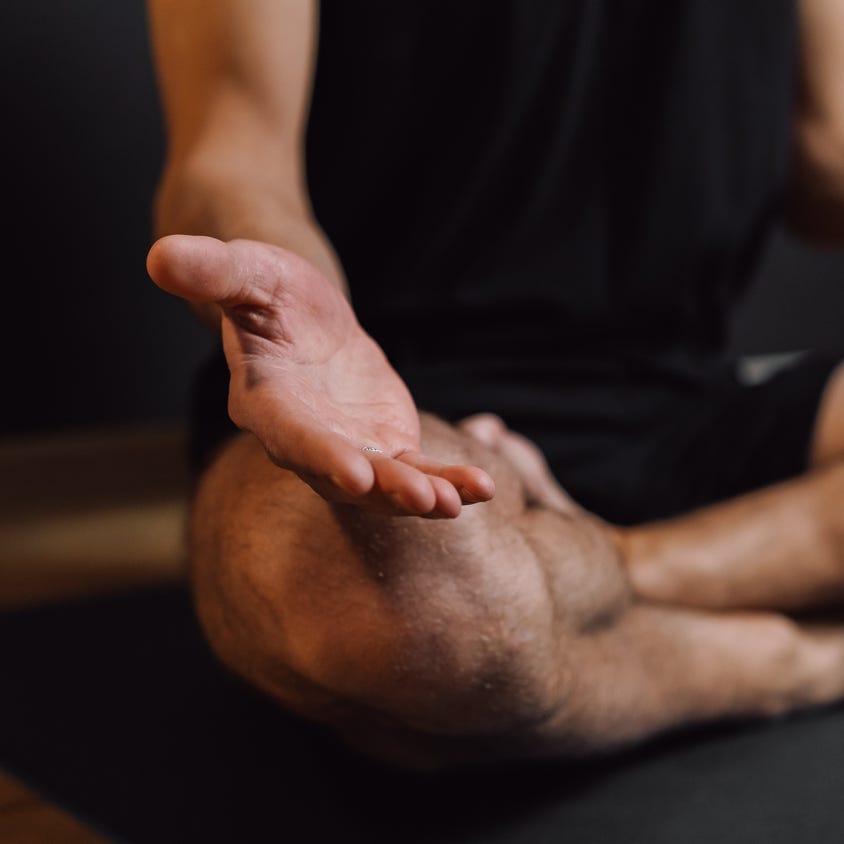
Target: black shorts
[(630, 438)]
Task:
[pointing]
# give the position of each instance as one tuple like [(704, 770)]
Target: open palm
[(306, 379)]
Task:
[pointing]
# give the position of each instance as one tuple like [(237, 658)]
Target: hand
[(527, 461), (306, 379)]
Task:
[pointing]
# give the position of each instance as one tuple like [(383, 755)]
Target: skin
[(816, 208), (507, 622), (311, 385)]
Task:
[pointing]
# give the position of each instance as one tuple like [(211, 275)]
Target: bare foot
[(527, 460), (306, 379)]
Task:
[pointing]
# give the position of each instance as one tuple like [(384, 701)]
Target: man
[(544, 210)]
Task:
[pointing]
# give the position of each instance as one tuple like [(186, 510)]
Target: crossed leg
[(497, 629), (510, 631)]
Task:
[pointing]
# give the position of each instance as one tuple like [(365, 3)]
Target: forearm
[(235, 81), (815, 209), (779, 548)]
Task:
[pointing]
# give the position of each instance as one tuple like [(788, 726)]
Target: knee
[(436, 664), (400, 622), (391, 665), (414, 627), (440, 666)]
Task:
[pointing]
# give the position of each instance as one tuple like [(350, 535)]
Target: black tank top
[(538, 177)]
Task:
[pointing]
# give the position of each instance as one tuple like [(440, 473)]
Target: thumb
[(204, 269)]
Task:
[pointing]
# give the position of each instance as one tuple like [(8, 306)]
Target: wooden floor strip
[(81, 514), (25, 818)]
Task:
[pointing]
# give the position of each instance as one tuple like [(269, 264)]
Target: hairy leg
[(508, 631)]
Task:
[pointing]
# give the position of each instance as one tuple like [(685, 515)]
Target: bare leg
[(508, 631), (503, 628)]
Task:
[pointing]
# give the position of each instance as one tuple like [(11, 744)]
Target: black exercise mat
[(115, 709)]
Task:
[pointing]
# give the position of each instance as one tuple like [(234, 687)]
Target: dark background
[(87, 340)]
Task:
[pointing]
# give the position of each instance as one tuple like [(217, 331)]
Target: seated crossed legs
[(391, 595)]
